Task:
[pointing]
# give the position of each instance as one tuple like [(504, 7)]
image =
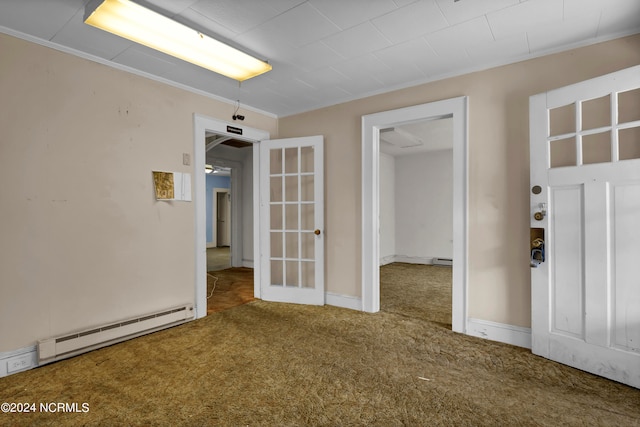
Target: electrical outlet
[(186, 159), (19, 363)]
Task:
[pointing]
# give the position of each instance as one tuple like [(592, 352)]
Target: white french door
[(292, 220), (585, 225)]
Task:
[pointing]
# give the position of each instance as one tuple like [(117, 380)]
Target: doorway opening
[(456, 109), (416, 219), (229, 278), (226, 145), (218, 183)]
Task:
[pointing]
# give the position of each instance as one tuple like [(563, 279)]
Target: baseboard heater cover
[(442, 261), (57, 348)]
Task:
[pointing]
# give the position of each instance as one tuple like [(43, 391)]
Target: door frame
[(202, 124), (457, 108)]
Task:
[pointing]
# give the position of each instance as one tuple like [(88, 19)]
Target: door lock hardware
[(539, 216), (537, 254)]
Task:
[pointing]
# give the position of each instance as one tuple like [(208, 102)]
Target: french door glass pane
[(307, 245), (306, 159), (276, 273), (276, 217), (275, 161), (306, 187), (596, 113), (291, 244), (291, 188), (629, 143), (596, 148), (308, 274), (307, 218), (291, 215), (276, 189), (629, 106), (276, 245), (562, 120), (291, 160), (563, 152), (292, 274)]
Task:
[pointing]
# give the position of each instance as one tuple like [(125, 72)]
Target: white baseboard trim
[(387, 259), (210, 245), (501, 332), (413, 259), (12, 362), (247, 263), (407, 259), (344, 301)]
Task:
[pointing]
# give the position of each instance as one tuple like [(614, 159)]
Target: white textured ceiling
[(325, 52), (418, 137)]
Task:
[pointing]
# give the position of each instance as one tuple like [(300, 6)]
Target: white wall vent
[(67, 345), (442, 261)]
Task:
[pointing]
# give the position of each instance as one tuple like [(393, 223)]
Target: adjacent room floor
[(422, 291), (227, 286)]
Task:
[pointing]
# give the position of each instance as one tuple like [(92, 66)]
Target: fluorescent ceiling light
[(141, 25)]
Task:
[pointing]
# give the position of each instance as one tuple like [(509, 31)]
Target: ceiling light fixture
[(208, 169), (141, 25)]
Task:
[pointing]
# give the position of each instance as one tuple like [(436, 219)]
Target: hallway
[(218, 258)]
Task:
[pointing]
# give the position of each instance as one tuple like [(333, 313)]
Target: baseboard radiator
[(68, 345), (442, 261)]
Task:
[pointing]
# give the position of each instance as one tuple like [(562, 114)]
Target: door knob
[(316, 232)]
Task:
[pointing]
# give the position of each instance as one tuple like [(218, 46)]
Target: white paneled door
[(292, 220), (585, 220)]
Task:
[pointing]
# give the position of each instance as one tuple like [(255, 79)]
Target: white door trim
[(371, 125), (202, 124)]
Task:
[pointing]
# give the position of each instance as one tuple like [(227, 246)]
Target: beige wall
[(499, 284), (83, 241)]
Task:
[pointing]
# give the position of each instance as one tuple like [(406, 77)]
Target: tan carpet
[(419, 291), (272, 364)]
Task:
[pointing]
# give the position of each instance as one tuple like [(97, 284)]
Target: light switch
[(186, 159)]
